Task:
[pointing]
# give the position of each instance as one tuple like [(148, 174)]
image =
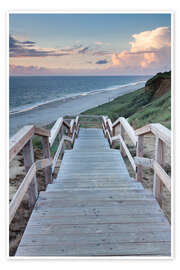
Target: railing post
[(46, 154), (28, 154), (113, 134), (121, 146), (139, 153), (159, 157)]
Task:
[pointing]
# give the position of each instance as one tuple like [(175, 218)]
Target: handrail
[(18, 141), (158, 130), (109, 132), (22, 140), (40, 164), (163, 136)]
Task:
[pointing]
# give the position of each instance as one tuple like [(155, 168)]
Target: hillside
[(150, 104)]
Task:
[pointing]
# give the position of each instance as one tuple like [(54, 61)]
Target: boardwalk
[(94, 208)]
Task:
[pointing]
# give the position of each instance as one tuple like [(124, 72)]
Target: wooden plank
[(89, 211), (47, 154), (129, 130), (55, 129), (116, 123), (41, 131), (65, 123), (159, 157), (162, 175), (21, 192), (94, 238), (98, 249), (86, 203), (108, 137), (128, 153), (122, 143), (139, 153), (162, 132), (145, 162), (28, 154), (59, 150), (143, 130), (98, 228), (123, 219), (72, 123), (18, 141), (94, 194)]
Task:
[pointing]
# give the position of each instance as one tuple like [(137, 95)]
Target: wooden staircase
[(94, 208)]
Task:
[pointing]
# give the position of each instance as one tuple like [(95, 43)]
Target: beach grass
[(140, 107)]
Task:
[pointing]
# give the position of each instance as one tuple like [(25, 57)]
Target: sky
[(89, 44)]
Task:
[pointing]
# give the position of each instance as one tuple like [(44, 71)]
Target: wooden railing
[(116, 132), (163, 137), (22, 140)]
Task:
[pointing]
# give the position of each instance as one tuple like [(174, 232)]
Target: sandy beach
[(47, 113)]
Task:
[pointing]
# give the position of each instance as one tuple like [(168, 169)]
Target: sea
[(28, 92)]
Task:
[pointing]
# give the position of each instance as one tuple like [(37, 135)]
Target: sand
[(47, 113)]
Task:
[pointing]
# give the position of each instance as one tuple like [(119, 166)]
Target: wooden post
[(28, 154), (139, 153), (159, 157), (69, 132), (46, 154), (60, 133), (113, 134), (121, 146)]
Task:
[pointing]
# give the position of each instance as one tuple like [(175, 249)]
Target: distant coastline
[(48, 112)]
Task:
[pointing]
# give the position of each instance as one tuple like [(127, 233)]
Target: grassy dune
[(142, 106)]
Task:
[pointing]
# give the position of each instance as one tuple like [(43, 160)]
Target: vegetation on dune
[(150, 104)]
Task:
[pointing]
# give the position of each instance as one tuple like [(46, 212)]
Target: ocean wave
[(73, 96)]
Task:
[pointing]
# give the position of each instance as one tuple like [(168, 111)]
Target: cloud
[(102, 62), (101, 43), (28, 49), (149, 49), (84, 50)]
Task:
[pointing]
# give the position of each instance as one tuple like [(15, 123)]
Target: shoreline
[(46, 113)]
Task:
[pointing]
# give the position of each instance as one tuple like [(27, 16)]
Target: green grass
[(139, 106)]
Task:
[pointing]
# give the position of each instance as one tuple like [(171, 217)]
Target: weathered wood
[(145, 162), (116, 123), (122, 150), (55, 129), (143, 130), (159, 157), (93, 207), (59, 150), (66, 124), (28, 154), (46, 154), (99, 249), (126, 150), (41, 131), (164, 177), (108, 137), (72, 124), (19, 195), (158, 130), (129, 130), (97, 228), (162, 132), (139, 153), (18, 141)]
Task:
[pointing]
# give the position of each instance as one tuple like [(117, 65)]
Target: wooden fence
[(22, 140), (163, 137)]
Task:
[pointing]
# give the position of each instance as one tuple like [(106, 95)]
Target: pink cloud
[(150, 49)]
